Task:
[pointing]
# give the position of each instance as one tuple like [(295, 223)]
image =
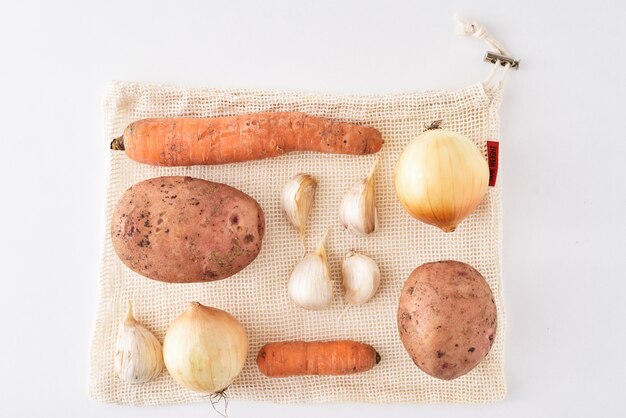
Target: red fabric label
[(493, 149)]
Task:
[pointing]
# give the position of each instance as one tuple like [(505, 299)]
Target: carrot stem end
[(118, 143)]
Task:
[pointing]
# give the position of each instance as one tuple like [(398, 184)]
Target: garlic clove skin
[(138, 353), (297, 201), (309, 284), (361, 278), (357, 212)]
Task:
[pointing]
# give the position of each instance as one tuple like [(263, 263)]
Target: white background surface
[(562, 167)]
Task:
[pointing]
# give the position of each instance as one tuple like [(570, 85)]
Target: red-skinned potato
[(446, 318), (182, 229)]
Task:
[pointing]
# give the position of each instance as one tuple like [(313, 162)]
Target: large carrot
[(195, 141), (297, 358)]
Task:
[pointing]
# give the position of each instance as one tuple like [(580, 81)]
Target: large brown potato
[(446, 318), (183, 229)]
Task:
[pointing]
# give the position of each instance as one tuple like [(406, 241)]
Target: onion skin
[(441, 178), (205, 349)]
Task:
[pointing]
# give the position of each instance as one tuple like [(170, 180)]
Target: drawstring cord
[(498, 73)]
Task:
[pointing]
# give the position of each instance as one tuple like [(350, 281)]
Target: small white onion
[(205, 348)]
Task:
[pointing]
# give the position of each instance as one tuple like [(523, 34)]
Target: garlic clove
[(297, 201), (138, 353), (357, 212), (361, 278), (309, 284)]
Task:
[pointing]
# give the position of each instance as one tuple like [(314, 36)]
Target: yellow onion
[(441, 178), (205, 349)]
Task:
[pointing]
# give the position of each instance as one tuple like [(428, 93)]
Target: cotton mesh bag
[(257, 296)]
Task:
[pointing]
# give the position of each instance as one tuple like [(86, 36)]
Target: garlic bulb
[(205, 348), (309, 285), (441, 178), (361, 278), (138, 354), (358, 212), (297, 201)]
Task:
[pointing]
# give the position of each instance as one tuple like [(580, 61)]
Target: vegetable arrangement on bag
[(182, 230)]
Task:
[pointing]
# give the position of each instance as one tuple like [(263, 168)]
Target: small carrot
[(207, 141), (297, 358)]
